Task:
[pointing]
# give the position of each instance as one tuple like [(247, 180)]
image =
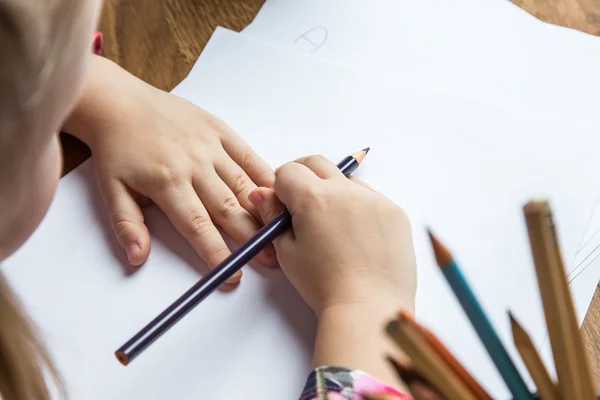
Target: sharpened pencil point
[(520, 336), (443, 257), (512, 318), (360, 155)]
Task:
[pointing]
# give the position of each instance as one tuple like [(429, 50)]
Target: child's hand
[(151, 146), (349, 245)]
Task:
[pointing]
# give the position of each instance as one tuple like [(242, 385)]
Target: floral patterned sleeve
[(338, 383)]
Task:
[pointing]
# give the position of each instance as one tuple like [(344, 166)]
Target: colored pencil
[(417, 384), (538, 372), (574, 373), (477, 390), (479, 320), (379, 397), (427, 362), (215, 278)]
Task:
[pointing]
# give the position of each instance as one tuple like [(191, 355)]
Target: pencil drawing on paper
[(588, 251), (314, 37)]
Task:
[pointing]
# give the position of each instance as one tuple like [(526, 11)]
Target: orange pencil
[(447, 356)]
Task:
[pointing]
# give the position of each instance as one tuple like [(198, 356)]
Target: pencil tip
[(520, 336), (360, 155), (443, 257)]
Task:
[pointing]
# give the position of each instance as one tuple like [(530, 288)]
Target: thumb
[(269, 205), (127, 221), (266, 202)]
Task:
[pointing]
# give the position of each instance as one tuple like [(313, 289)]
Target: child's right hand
[(349, 245)]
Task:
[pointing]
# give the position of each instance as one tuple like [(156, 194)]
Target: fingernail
[(237, 275), (133, 251), (256, 198)]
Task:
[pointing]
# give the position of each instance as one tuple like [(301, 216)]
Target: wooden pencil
[(427, 362), (572, 368), (477, 390), (417, 384), (420, 391), (538, 372), (378, 397), (479, 320)]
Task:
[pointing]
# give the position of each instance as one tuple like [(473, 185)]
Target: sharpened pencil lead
[(443, 257), (360, 155)]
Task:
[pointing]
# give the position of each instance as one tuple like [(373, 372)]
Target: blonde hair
[(24, 363), (37, 39)]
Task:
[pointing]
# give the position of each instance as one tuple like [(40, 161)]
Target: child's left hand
[(151, 146)]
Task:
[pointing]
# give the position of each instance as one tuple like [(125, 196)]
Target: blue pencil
[(480, 322)]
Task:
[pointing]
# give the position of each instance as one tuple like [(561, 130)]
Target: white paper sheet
[(548, 67), (464, 167), (331, 30), (492, 50)]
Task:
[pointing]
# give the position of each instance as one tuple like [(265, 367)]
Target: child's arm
[(350, 256), (151, 146)]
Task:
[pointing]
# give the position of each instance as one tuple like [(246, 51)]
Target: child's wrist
[(352, 335), (381, 305), (107, 97)]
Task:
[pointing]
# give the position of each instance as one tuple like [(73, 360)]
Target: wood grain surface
[(583, 15), (159, 42)]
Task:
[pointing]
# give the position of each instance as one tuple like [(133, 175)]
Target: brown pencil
[(574, 374), (427, 362), (538, 372), (378, 397), (417, 384), (477, 390)]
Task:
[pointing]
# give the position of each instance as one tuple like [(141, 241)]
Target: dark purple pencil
[(215, 278)]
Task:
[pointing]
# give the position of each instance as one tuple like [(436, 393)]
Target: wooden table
[(159, 41)]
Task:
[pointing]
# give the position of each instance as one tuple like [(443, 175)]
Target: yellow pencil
[(546, 388), (570, 358)]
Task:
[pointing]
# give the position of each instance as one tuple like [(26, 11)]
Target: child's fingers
[(238, 181), (267, 203), (360, 182), (269, 206), (321, 166), (256, 168), (226, 211), (127, 221), (190, 217), (294, 182)]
